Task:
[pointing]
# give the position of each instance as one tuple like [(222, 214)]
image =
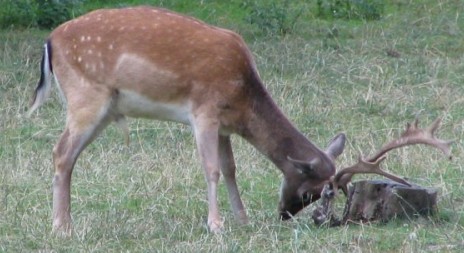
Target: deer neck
[(269, 131)]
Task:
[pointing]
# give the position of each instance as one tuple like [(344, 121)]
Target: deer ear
[(336, 146), (304, 167)]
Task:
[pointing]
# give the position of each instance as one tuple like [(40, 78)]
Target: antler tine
[(415, 135), (434, 126), (411, 136), (343, 177), (444, 146)]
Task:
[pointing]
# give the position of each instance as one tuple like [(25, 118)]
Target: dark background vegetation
[(271, 16)]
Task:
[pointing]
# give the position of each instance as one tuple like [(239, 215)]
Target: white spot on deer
[(89, 51), (121, 28), (79, 59), (82, 38), (110, 47), (89, 38), (99, 39)]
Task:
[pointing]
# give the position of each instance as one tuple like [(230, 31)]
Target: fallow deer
[(154, 63)]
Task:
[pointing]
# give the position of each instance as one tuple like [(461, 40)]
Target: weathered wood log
[(382, 200), (377, 200)]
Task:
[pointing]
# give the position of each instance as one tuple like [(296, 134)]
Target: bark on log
[(382, 200)]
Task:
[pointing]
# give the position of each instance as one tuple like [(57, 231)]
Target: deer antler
[(411, 136)]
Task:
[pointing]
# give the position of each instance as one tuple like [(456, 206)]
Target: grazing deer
[(154, 63)]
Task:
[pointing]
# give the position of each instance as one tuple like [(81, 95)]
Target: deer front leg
[(207, 138), (228, 170)]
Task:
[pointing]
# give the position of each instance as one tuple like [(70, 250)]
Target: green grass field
[(367, 79)]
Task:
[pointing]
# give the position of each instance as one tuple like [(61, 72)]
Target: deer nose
[(284, 215)]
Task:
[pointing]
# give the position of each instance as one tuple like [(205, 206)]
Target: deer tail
[(42, 92)]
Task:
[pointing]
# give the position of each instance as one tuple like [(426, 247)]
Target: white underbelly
[(135, 105)]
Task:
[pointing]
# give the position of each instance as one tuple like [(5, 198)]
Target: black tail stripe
[(49, 49), (42, 66), (42, 74)]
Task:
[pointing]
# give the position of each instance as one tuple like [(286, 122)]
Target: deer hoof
[(216, 226), (62, 229)]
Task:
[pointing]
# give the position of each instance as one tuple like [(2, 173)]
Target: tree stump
[(382, 200)]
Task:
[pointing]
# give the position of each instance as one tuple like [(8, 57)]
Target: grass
[(328, 77)]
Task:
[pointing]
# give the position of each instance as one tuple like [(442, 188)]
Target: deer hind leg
[(86, 117), (228, 170), (207, 139)]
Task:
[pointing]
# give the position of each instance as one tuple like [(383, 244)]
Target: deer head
[(313, 180)]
